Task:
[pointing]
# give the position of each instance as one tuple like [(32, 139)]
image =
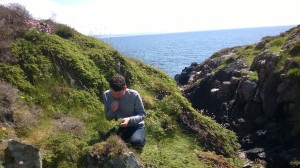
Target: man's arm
[(139, 111)]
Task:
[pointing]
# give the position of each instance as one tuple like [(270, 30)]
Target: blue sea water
[(174, 51)]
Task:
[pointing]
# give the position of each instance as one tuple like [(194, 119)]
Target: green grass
[(248, 53), (175, 151), (276, 44)]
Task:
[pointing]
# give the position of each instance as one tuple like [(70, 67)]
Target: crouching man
[(126, 104)]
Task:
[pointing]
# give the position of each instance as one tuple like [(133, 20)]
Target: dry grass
[(213, 159)]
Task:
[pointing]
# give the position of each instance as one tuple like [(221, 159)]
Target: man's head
[(117, 85)]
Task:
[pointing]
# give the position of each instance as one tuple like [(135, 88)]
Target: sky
[(115, 17)]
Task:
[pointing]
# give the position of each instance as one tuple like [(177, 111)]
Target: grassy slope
[(61, 81)]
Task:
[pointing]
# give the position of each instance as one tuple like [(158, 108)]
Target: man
[(125, 104)]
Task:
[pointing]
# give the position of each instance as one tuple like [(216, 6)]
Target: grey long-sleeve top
[(130, 105)]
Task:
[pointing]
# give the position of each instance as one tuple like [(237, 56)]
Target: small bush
[(14, 21), (64, 31), (13, 26), (33, 36)]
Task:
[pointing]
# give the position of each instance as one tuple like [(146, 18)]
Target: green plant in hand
[(116, 123)]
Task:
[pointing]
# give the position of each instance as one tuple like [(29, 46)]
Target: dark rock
[(248, 90), (22, 155), (289, 91)]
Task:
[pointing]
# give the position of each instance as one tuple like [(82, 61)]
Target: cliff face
[(253, 90)]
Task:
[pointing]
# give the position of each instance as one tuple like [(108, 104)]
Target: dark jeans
[(136, 136)]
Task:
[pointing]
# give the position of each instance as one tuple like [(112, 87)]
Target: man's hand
[(125, 122), (114, 106)]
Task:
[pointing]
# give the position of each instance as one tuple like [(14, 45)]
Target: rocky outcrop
[(260, 100)]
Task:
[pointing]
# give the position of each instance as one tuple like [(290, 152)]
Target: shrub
[(64, 31), (64, 148), (13, 25), (15, 76), (33, 36)]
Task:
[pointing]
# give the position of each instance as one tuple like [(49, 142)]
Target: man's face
[(118, 94)]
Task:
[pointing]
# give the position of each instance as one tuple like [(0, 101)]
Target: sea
[(172, 52)]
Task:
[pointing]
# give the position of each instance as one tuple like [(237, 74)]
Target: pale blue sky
[(107, 17)]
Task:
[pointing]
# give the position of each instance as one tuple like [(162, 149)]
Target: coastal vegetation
[(52, 80)]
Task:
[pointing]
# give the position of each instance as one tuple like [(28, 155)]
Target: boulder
[(22, 155)]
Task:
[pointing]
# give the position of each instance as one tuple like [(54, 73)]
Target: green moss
[(253, 76)]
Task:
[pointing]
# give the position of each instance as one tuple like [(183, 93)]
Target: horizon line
[(173, 32)]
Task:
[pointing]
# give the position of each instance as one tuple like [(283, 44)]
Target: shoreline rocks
[(259, 102)]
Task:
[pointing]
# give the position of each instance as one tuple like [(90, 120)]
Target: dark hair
[(117, 82)]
